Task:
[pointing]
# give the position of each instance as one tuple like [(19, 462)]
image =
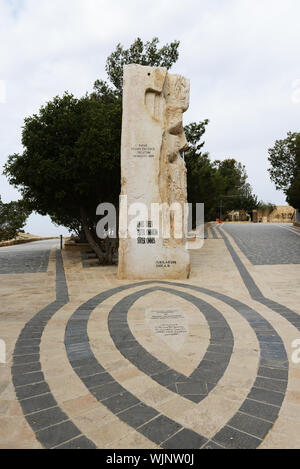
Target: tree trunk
[(111, 245), (95, 247)]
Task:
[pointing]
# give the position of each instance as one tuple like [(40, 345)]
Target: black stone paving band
[(246, 429), (214, 234), (209, 371), (51, 425), (143, 418), (262, 405), (53, 428)]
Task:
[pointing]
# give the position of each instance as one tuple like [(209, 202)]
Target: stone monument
[(153, 175)]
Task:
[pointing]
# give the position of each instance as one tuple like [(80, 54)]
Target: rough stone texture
[(153, 171)]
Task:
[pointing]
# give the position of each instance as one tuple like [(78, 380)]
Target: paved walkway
[(94, 362), (26, 258)]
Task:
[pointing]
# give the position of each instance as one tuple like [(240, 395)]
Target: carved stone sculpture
[(153, 175)]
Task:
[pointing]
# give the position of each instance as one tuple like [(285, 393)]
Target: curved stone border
[(260, 409), (209, 371), (51, 425), (246, 429), (101, 384), (53, 428)]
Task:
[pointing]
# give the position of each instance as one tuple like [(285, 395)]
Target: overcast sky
[(242, 57)]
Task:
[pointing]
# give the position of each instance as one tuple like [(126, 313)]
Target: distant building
[(281, 214), (238, 215)]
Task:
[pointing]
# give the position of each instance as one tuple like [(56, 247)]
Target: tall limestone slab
[(153, 172)]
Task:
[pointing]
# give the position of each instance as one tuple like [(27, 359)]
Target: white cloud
[(2, 91), (241, 57)]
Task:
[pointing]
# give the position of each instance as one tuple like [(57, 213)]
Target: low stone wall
[(23, 241), (72, 246)]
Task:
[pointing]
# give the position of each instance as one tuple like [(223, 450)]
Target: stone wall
[(281, 214)]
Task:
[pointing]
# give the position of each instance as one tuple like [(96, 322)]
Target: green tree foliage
[(215, 183), (13, 216), (70, 162), (233, 175), (143, 53), (283, 159), (293, 192), (266, 207), (71, 158), (236, 192), (203, 182)]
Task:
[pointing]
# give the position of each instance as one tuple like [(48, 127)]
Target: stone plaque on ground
[(169, 324)]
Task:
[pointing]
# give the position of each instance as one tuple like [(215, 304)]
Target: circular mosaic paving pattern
[(246, 428)]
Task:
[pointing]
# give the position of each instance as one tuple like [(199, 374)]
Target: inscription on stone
[(169, 324), (146, 233), (165, 264), (170, 329), (143, 151)]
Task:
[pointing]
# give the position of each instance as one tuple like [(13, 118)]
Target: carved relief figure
[(153, 170)]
